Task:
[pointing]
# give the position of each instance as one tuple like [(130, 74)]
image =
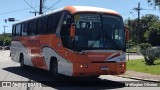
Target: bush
[(145, 46), (148, 53), (157, 53)]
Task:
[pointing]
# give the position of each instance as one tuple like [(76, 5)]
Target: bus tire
[(54, 68), (21, 60)]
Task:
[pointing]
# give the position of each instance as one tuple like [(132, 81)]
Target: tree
[(154, 3), (153, 34), (1, 41), (146, 22), (5, 39), (132, 23)]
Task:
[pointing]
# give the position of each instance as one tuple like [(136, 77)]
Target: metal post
[(40, 8), (128, 46)]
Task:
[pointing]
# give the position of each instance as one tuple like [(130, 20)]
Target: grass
[(131, 50), (140, 66)]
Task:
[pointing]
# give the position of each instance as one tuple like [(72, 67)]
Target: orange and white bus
[(76, 41)]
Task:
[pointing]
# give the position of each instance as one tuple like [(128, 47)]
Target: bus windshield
[(99, 31)]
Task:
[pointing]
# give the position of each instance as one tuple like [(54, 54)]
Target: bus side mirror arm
[(72, 31)]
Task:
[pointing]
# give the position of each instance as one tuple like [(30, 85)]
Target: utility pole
[(4, 34), (4, 28), (35, 13), (138, 9), (40, 8)]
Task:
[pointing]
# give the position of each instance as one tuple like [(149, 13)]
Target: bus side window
[(24, 29), (18, 30), (53, 21), (65, 34), (32, 27), (41, 25)]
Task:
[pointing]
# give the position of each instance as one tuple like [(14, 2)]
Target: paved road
[(133, 56), (10, 71)]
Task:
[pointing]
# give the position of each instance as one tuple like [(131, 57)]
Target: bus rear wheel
[(22, 61), (54, 68)]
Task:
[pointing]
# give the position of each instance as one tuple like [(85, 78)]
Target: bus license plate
[(104, 68)]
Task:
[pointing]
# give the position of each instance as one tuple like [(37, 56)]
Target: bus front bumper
[(96, 69)]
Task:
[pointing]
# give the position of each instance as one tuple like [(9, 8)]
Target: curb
[(137, 78)]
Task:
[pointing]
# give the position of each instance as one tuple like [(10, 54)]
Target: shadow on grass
[(154, 64)]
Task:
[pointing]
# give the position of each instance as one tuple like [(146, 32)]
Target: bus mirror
[(72, 31), (127, 33)]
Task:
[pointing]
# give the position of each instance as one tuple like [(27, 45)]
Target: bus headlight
[(121, 65), (81, 66), (84, 66)]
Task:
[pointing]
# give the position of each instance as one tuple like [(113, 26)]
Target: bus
[(76, 41)]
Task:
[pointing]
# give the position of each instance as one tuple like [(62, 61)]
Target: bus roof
[(75, 9)]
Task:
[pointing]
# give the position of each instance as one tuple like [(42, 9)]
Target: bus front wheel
[(54, 68)]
